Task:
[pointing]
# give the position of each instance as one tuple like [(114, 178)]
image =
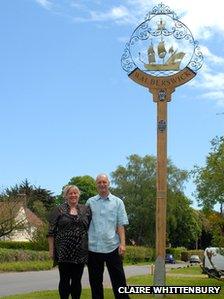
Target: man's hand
[(121, 249)]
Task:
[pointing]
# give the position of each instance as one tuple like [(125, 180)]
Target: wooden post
[(162, 89), (160, 274)]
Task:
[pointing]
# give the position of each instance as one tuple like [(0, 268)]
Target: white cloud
[(197, 15), (118, 14), (214, 59), (205, 20), (211, 84), (213, 81), (114, 14), (45, 3)]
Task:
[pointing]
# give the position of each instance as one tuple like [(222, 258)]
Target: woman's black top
[(70, 233)]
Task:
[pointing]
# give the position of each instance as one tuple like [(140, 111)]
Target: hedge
[(176, 252), (37, 246), (16, 245), (25, 251), (14, 255), (136, 254), (185, 255)]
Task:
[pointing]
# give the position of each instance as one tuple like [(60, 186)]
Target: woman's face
[(73, 196)]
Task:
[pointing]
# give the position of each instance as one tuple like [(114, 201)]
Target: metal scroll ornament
[(161, 46)]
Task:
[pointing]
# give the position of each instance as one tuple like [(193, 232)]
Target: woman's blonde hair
[(67, 188)]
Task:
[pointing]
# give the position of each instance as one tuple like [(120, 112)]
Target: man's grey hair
[(104, 175)]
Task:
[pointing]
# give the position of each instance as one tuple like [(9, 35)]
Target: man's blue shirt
[(107, 214)]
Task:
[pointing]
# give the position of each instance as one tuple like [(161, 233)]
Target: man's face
[(102, 184)]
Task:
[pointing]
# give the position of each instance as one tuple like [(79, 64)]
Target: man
[(106, 239)]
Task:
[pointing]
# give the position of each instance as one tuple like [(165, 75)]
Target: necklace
[(73, 211)]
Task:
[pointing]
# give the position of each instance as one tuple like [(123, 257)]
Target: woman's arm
[(51, 246), (52, 230)]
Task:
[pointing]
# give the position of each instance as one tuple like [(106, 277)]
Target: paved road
[(25, 282)]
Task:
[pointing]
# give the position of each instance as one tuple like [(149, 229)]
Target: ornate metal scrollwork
[(162, 45), (126, 61)]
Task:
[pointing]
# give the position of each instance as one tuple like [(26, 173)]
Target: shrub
[(26, 266), (185, 255), (136, 254), (176, 252), (39, 240), (16, 245), (13, 255)]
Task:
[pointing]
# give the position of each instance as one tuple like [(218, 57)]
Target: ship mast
[(161, 47)]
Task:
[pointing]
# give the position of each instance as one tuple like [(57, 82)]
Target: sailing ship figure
[(171, 64)]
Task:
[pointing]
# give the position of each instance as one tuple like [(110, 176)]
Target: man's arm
[(122, 246)]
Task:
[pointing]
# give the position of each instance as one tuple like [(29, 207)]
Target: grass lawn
[(25, 266), (175, 279), (179, 280), (192, 270)]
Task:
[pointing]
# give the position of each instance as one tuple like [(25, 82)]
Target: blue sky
[(67, 106)]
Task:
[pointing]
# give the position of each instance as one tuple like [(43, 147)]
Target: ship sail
[(172, 63), (175, 57), (161, 50), (151, 55)]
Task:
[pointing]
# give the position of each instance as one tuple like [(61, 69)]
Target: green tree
[(209, 179), (39, 209), (136, 185), (37, 199), (216, 223), (205, 240), (183, 222)]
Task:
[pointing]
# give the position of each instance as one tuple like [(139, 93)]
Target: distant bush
[(136, 254), (26, 266), (185, 255), (176, 252), (16, 245), (14, 255), (39, 240)]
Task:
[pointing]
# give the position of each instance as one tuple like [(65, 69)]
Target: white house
[(16, 214)]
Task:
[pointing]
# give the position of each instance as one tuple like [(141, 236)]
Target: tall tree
[(216, 221), (136, 185), (209, 179), (205, 240), (37, 199), (183, 222)]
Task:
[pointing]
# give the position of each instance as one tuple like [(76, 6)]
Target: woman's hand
[(51, 254)]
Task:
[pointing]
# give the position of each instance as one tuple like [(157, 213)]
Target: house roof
[(33, 218), (15, 207)]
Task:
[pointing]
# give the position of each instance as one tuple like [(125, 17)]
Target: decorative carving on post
[(161, 55)]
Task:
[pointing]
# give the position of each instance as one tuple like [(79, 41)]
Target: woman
[(68, 241)]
